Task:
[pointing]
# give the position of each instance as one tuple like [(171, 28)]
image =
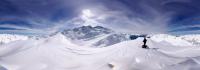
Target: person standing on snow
[(144, 41)]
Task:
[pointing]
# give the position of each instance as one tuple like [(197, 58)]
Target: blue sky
[(135, 16)]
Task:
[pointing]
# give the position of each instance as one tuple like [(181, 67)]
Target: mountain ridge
[(98, 36)]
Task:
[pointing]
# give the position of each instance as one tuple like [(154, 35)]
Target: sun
[(87, 13), (89, 17)]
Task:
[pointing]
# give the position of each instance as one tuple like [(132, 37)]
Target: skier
[(144, 41)]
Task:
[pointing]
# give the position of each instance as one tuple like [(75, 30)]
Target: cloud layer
[(133, 16)]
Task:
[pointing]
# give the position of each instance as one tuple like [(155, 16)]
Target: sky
[(131, 16)]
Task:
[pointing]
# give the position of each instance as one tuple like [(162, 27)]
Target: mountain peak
[(86, 32), (97, 36)]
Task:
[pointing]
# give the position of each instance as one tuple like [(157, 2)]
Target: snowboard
[(146, 47)]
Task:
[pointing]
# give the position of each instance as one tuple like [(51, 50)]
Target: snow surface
[(59, 53)]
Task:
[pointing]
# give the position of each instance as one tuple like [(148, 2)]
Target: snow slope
[(59, 53)]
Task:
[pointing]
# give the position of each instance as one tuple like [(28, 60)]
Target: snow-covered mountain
[(71, 49), (58, 53), (96, 36), (86, 32), (7, 38), (170, 39), (102, 37), (194, 39)]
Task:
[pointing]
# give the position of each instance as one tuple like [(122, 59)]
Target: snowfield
[(59, 53)]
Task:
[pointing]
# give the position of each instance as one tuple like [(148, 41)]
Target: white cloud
[(186, 32), (119, 19), (185, 27)]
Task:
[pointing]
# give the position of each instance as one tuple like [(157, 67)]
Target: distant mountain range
[(96, 36), (101, 37)]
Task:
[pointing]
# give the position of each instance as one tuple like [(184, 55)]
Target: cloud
[(132, 16), (186, 32), (124, 20), (185, 27)]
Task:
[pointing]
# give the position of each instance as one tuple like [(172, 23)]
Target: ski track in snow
[(57, 53)]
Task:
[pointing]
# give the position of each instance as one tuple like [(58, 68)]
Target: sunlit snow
[(58, 53)]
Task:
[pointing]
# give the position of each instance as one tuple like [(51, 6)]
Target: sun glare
[(87, 13)]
